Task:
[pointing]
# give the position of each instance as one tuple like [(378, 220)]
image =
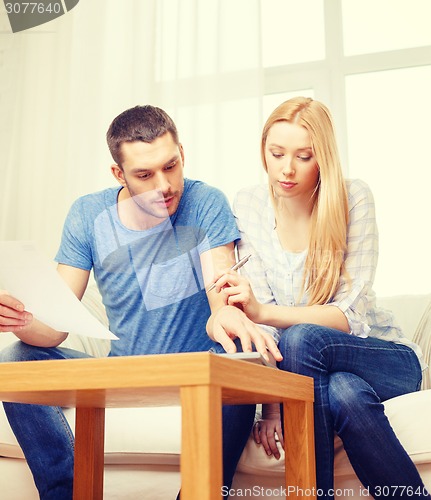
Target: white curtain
[(63, 82)]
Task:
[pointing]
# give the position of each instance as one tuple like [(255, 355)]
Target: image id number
[(33, 8)]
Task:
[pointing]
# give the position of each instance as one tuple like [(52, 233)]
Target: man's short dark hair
[(141, 123)]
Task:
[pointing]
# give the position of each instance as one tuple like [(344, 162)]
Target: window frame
[(327, 77)]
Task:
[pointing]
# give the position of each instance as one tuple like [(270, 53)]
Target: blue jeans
[(48, 442), (352, 377)]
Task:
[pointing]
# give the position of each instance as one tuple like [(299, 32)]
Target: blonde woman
[(314, 245)]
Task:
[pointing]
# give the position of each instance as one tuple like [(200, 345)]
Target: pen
[(236, 266)]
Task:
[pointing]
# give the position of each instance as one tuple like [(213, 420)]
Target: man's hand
[(13, 316), (229, 322)]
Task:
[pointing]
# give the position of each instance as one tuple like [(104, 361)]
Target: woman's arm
[(238, 292), (285, 316), (347, 311)]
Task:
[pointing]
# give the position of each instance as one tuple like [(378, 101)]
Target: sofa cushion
[(155, 437), (132, 436)]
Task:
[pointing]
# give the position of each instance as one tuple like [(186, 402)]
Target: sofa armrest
[(422, 337)]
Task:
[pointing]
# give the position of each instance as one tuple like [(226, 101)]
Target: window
[(370, 62), (292, 31), (271, 101), (204, 38), (388, 129), (387, 24), (233, 132)]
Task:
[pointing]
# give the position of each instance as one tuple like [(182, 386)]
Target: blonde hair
[(328, 237)]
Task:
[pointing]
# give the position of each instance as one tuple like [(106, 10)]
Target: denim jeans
[(48, 442), (352, 377)]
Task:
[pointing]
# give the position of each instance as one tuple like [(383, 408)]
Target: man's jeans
[(352, 376), (48, 443)]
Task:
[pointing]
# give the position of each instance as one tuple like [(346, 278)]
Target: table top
[(150, 380)]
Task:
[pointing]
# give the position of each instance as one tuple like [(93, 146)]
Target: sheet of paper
[(32, 278)]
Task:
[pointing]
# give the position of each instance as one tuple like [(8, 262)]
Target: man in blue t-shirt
[(155, 244)]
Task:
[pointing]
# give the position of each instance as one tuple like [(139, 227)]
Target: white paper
[(31, 277)]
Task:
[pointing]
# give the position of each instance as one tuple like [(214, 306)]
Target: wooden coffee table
[(199, 382)]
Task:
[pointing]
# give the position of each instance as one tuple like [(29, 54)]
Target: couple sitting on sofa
[(305, 299)]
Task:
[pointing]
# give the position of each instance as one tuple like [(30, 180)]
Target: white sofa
[(143, 445)]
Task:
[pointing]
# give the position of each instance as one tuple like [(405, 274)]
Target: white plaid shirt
[(276, 274)]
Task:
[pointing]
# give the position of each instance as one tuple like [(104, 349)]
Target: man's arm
[(229, 322), (14, 317)]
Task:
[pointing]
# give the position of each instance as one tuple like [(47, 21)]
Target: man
[(155, 244)]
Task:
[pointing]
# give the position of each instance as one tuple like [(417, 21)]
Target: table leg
[(201, 447), (299, 446), (89, 454)]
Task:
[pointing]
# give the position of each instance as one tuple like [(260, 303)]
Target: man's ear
[(181, 153), (118, 173)]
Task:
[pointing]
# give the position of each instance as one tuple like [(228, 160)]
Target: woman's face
[(292, 167)]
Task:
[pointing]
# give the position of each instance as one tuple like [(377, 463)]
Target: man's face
[(152, 175)]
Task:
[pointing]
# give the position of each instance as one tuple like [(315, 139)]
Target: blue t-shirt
[(151, 281)]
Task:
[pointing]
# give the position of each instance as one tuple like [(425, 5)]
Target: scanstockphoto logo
[(25, 15)]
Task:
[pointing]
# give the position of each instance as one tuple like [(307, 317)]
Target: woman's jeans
[(352, 376), (48, 443)]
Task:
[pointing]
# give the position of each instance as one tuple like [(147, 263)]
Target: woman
[(314, 245)]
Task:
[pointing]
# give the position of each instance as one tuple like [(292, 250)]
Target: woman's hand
[(237, 292), (265, 431)]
